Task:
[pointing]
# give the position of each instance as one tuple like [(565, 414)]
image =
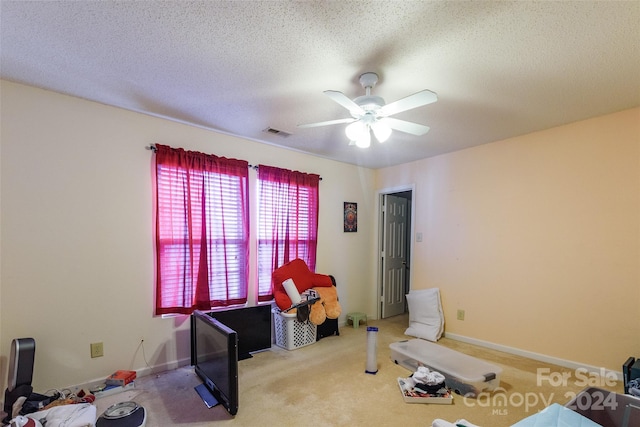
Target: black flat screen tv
[(214, 354), (253, 325)]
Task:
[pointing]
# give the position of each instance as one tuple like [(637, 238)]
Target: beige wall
[(537, 238), (77, 232)]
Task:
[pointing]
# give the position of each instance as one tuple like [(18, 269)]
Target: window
[(202, 231), (287, 222)]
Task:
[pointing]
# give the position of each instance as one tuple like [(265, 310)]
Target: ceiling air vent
[(277, 132)]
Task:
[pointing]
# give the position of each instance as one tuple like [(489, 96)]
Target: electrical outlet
[(97, 349), (460, 314)]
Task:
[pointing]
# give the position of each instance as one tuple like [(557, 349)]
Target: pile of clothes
[(427, 382), (634, 387), (55, 409), (433, 383)]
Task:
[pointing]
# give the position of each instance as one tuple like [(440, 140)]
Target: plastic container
[(463, 374), (291, 334), (606, 407)]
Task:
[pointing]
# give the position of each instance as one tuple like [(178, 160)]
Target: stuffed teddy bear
[(327, 308)]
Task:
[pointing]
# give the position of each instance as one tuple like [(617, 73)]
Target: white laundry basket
[(290, 333)]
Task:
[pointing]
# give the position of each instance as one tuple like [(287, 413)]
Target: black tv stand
[(207, 397)]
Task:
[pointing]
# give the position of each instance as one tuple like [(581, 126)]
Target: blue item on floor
[(556, 415)]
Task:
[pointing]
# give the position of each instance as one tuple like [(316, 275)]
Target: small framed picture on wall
[(350, 217)]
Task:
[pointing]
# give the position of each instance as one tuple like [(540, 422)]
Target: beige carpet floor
[(325, 384)]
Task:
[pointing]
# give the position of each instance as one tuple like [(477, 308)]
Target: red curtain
[(288, 222), (202, 231)]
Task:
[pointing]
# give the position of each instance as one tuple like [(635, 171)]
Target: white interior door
[(394, 254)]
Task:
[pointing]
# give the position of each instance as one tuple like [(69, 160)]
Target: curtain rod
[(153, 148)]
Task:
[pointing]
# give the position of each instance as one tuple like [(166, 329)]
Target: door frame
[(380, 236)]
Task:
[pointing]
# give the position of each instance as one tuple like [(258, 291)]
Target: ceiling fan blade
[(329, 122), (418, 99), (406, 127), (343, 100)]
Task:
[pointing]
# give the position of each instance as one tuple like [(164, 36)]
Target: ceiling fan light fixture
[(381, 130), (358, 131), (355, 130), (364, 141), (371, 113)]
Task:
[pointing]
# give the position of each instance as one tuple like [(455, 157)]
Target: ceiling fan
[(370, 113)]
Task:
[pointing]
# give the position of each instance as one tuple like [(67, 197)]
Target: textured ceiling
[(500, 68)]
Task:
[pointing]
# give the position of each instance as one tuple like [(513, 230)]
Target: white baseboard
[(163, 367), (88, 385), (537, 356)]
